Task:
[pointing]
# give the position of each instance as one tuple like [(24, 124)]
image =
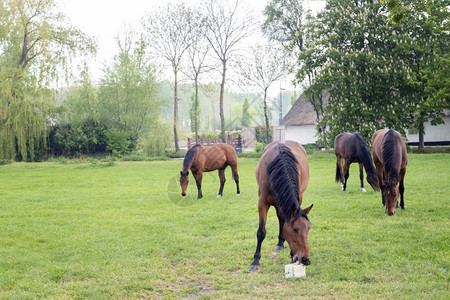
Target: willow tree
[(36, 46)]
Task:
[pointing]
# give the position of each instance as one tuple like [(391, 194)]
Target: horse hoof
[(363, 190), (279, 248), (219, 196), (254, 268)]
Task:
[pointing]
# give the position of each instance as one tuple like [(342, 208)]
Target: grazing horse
[(353, 148), (201, 159), (282, 174), (389, 156)]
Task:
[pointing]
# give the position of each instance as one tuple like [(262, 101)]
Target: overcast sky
[(103, 20)]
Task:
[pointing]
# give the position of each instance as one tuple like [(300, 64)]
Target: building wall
[(440, 133), (278, 133), (305, 134)]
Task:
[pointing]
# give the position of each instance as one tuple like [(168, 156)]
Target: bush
[(156, 140), (119, 142), (259, 147)]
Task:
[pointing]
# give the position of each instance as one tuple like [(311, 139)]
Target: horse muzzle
[(305, 261), (183, 194)]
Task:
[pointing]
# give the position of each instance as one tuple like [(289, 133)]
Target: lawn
[(93, 229)]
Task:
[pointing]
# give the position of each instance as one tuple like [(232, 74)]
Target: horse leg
[(261, 234), (280, 245), (198, 179), (222, 181), (361, 176), (379, 169), (236, 177), (402, 188), (339, 171), (347, 174)]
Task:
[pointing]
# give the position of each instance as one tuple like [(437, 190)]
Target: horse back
[(269, 154), (216, 156)]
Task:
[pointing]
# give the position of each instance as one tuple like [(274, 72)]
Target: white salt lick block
[(295, 270)]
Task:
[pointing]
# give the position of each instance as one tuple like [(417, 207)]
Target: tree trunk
[(175, 112), (421, 137), (196, 110), (222, 90), (266, 117)]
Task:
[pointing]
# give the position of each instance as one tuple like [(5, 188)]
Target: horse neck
[(189, 160), (367, 161)]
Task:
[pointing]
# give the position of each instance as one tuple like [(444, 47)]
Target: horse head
[(390, 193), (372, 179), (184, 181), (295, 231)]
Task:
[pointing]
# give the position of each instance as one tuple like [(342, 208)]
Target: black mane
[(364, 154), (189, 156), (389, 147), (284, 182)]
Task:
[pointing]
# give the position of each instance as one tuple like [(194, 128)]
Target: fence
[(235, 142)]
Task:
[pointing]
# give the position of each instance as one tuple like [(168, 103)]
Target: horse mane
[(284, 182), (389, 147), (189, 157), (365, 157)]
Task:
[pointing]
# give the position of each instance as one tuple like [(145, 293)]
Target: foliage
[(368, 67), (36, 43), (156, 140), (194, 113), (88, 137), (128, 91), (246, 117), (261, 134), (120, 142)]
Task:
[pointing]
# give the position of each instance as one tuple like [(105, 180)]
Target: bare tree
[(265, 66), (197, 55), (168, 34), (226, 29)]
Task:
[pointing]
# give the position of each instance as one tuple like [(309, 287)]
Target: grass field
[(91, 229)]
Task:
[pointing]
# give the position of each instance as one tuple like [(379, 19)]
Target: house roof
[(301, 113)]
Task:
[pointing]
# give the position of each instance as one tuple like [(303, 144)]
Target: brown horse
[(282, 174), (389, 155), (201, 159), (351, 147)]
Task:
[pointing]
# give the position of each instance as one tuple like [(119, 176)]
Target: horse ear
[(306, 210), (181, 173), (187, 173)]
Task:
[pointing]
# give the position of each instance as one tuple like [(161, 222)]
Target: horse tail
[(284, 181), (338, 172), (389, 151)]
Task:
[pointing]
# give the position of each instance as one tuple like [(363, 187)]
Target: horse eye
[(295, 230)]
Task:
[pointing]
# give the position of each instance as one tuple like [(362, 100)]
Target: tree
[(194, 113), (225, 31), (376, 72), (246, 118), (262, 69), (128, 91), (168, 34), (284, 23), (36, 44), (197, 54), (425, 50)]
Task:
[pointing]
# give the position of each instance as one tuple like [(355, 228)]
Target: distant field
[(92, 229)]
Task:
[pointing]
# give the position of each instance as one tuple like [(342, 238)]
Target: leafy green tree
[(36, 42), (246, 117), (128, 98), (194, 113), (364, 63)]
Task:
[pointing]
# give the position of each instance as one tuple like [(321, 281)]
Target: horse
[(353, 148), (389, 156), (282, 175), (201, 159)]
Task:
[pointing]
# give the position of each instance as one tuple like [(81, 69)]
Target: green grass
[(89, 229)]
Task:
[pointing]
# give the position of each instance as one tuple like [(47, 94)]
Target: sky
[(103, 20)]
